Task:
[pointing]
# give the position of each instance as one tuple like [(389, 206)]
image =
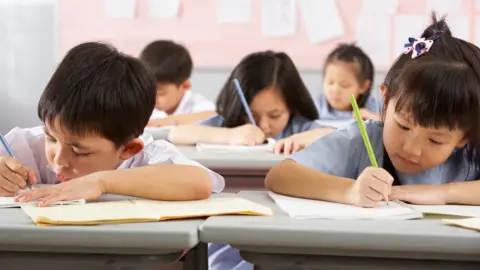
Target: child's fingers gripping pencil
[(10, 153), (244, 102), (363, 131)]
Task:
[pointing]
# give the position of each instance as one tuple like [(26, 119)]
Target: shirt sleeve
[(341, 153), (163, 152), (214, 121)]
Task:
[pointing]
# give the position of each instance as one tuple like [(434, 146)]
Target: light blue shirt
[(297, 124), (342, 153), (222, 256), (326, 112)]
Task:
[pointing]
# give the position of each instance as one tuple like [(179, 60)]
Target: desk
[(280, 242), (23, 245), (242, 170)]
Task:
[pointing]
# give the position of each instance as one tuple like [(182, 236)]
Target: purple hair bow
[(417, 46)]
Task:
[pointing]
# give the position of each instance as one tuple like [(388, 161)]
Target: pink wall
[(211, 44)]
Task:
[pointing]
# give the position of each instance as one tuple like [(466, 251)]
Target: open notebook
[(469, 223), (312, 209), (8, 202), (335, 123), (242, 148), (141, 211), (449, 210)]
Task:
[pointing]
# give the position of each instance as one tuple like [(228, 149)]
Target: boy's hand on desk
[(246, 135), (13, 176), (289, 145), (372, 186), (420, 194), (88, 187)]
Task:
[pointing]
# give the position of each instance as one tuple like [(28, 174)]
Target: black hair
[(256, 72), (98, 90), (350, 53), (440, 88), (170, 62)]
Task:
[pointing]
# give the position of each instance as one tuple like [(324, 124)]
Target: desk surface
[(216, 160), (19, 233), (425, 239)]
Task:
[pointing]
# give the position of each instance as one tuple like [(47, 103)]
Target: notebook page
[(203, 208), (313, 209), (9, 202), (90, 213), (335, 123), (469, 223), (268, 147), (451, 210)]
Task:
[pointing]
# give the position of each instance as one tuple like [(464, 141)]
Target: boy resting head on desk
[(94, 110), (176, 104)]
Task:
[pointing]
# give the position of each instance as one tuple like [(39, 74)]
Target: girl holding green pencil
[(427, 144)]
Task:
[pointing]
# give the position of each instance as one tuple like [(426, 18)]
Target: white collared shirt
[(28, 146), (191, 102)]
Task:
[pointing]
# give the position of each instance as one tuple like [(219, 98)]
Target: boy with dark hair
[(176, 104), (94, 110)]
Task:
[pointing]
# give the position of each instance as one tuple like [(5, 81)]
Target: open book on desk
[(268, 147), (9, 202), (312, 209), (128, 211)]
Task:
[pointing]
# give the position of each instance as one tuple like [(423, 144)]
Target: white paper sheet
[(312, 209), (477, 5), (163, 9), (8, 202), (406, 26), (452, 210), (278, 18), (444, 6), (373, 36), (460, 27), (234, 11), (268, 147), (321, 19), (116, 9), (379, 7)]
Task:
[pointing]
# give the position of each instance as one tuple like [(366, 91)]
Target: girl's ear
[(383, 90), (365, 86)]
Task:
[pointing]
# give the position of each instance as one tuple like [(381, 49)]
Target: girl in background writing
[(280, 103), (428, 141), (347, 70)]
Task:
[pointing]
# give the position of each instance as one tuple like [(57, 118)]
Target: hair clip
[(419, 46)]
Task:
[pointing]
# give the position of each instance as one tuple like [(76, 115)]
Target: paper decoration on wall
[(460, 27), (321, 19), (120, 9), (234, 11), (379, 7), (164, 9), (278, 18), (373, 36), (445, 6)]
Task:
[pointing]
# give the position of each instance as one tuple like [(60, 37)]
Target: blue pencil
[(244, 101), (10, 153)]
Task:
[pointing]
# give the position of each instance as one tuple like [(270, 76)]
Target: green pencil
[(363, 131)]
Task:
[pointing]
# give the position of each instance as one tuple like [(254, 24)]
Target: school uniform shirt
[(222, 256), (296, 124), (326, 112), (191, 102), (28, 146), (342, 153)]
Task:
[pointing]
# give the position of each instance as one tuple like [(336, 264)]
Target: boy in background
[(176, 104)]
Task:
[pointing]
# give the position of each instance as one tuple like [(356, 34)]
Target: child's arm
[(293, 179), (299, 141), (463, 192), (181, 119), (195, 133)]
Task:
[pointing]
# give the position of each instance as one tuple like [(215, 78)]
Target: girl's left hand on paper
[(420, 194), (289, 145), (367, 114), (88, 187)]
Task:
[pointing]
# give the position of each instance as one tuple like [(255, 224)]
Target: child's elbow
[(275, 177), (203, 185)]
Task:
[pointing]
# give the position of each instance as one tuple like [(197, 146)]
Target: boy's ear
[(186, 85), (365, 86), (133, 147)]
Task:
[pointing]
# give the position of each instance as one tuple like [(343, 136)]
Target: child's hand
[(87, 187), (289, 145), (13, 176), (246, 135), (160, 122), (373, 185), (420, 194), (367, 114)]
